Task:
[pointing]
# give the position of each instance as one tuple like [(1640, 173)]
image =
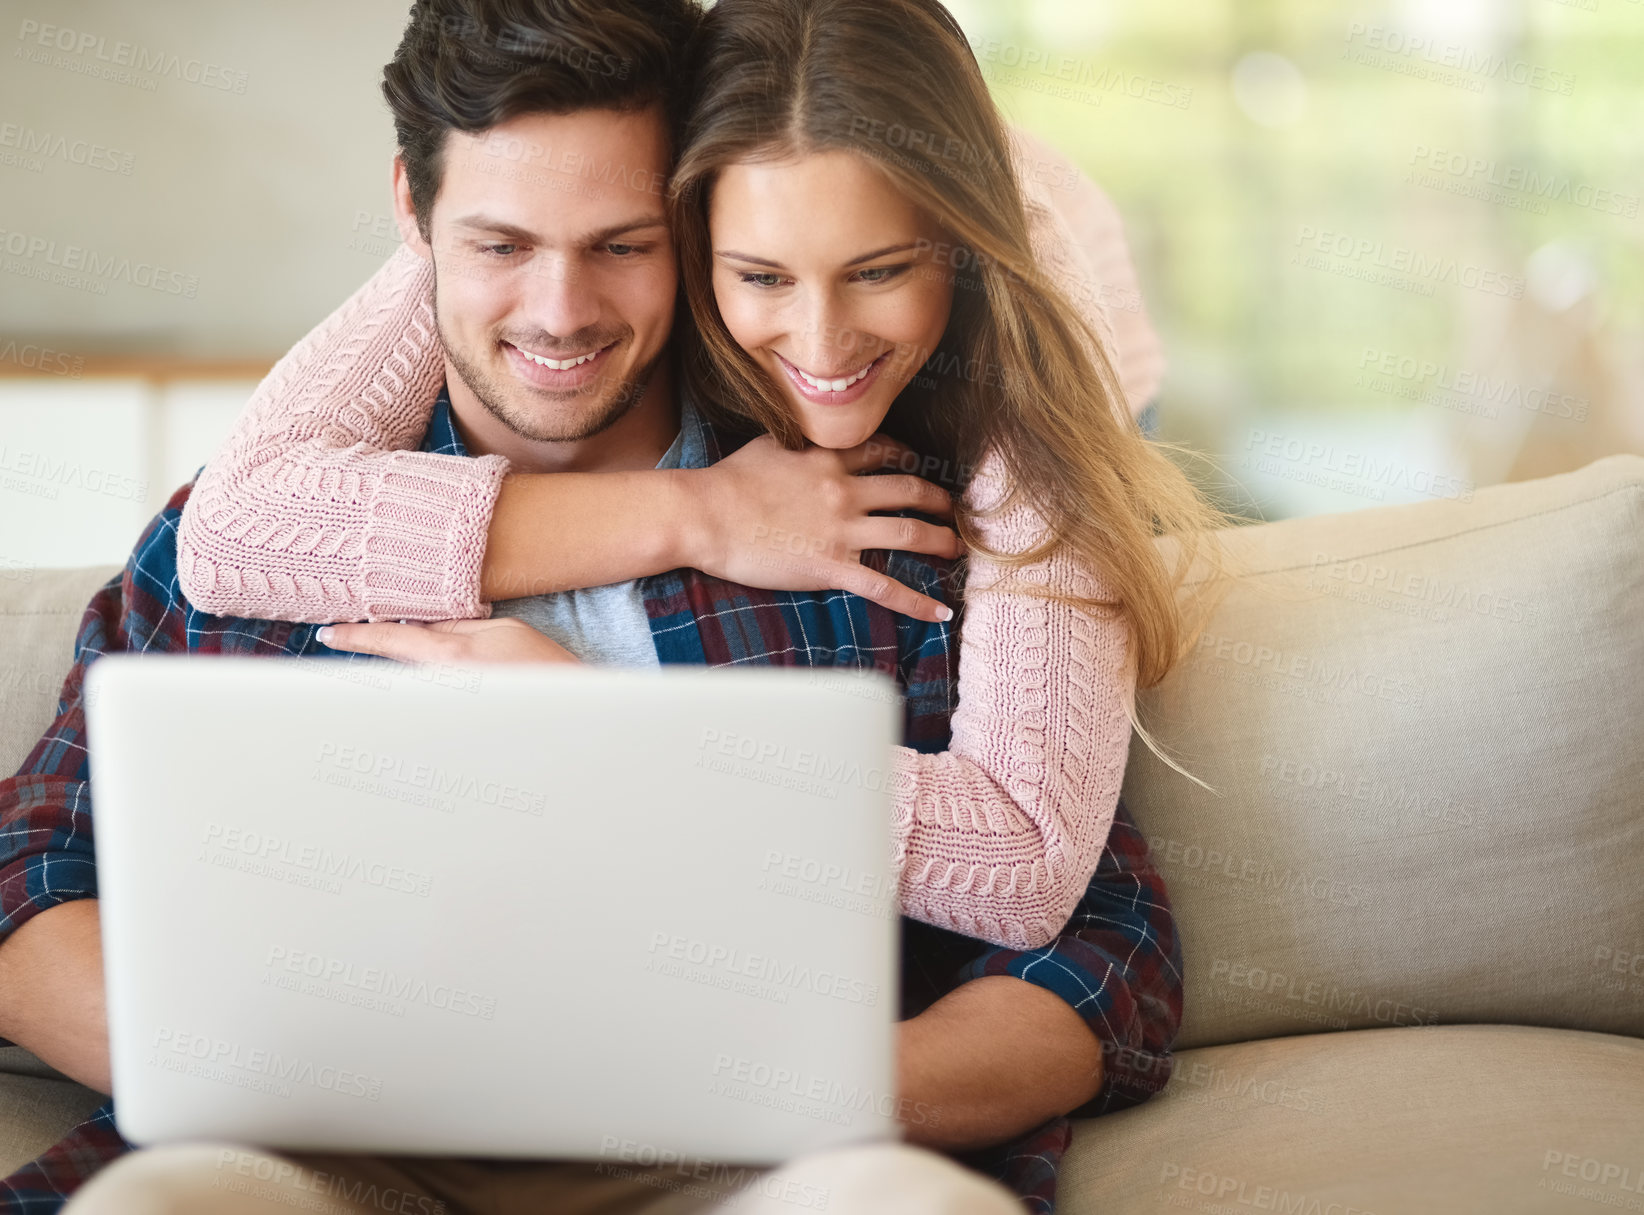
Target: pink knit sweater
[(318, 508)]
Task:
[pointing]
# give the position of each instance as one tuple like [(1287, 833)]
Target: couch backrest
[(40, 614), (1426, 723)]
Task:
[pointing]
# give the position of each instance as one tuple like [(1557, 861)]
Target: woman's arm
[(309, 512), (762, 516), (998, 836), (313, 510)]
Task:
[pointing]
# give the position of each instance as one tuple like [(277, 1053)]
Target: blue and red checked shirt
[(1117, 962)]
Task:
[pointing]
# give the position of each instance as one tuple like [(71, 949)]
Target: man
[(1003, 1043)]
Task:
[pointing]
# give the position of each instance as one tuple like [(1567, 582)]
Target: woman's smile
[(839, 388)]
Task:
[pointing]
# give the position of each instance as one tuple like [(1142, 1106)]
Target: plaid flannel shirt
[(1117, 962)]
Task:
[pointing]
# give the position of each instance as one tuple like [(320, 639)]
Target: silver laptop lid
[(504, 911)]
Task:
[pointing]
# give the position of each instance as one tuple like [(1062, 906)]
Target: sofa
[(1410, 886)]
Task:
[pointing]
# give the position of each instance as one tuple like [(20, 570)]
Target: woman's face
[(833, 281)]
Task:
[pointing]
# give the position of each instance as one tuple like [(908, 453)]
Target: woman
[(841, 282)]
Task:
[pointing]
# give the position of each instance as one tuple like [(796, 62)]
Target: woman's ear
[(405, 214)]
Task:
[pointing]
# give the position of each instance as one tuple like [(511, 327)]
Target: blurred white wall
[(85, 464)]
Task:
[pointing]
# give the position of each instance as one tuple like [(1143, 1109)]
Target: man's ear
[(405, 215)]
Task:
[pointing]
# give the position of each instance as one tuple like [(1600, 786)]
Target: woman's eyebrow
[(733, 255), (885, 252)]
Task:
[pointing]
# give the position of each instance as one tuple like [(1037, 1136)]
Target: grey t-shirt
[(600, 624)]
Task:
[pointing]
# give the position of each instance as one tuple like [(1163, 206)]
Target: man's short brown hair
[(467, 65)]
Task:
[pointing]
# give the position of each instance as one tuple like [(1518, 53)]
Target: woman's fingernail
[(323, 634), (944, 613)]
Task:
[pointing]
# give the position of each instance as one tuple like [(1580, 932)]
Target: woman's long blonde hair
[(1019, 369)]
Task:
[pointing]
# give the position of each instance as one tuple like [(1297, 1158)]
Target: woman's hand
[(459, 642), (799, 520)]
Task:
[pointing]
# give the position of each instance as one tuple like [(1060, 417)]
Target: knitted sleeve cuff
[(425, 537)]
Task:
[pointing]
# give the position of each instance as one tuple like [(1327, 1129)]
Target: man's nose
[(560, 297)]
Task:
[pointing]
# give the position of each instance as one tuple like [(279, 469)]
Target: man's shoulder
[(154, 614), (153, 561)]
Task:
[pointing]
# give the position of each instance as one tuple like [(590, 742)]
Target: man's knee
[(886, 1179), (183, 1179)]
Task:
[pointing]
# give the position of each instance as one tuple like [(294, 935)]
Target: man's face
[(554, 269)]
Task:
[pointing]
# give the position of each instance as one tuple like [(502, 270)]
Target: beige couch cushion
[(40, 614), (38, 1106), (1495, 1118), (1426, 723)]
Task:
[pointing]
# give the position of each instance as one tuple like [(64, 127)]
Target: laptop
[(517, 911)]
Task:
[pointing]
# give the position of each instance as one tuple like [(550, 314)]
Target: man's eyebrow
[(479, 222), (733, 255)]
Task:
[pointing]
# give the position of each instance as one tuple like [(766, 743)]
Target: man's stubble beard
[(605, 413)]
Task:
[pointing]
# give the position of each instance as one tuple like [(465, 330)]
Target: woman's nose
[(828, 341)]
